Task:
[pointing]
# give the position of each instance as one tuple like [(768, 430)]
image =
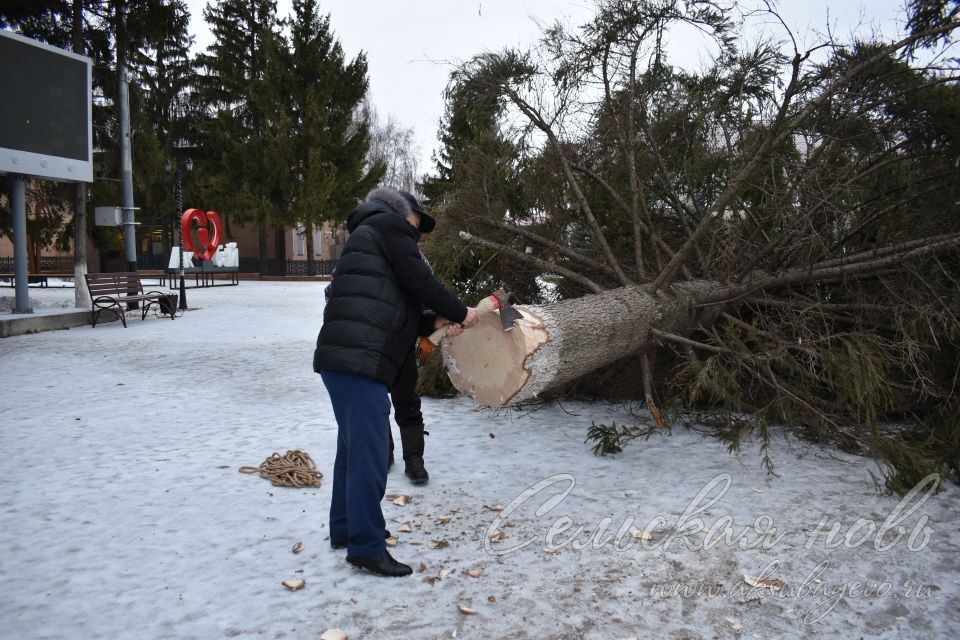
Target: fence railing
[(247, 265), (47, 263)]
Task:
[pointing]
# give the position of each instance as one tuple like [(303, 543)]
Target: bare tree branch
[(832, 269), (555, 246), (534, 116), (546, 265), (672, 337), (640, 227)]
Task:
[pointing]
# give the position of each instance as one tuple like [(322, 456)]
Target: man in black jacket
[(375, 311), (403, 393)]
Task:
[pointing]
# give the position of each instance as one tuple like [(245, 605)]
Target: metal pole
[(179, 194), (126, 163), (18, 200)]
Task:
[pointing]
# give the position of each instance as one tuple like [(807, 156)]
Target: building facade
[(285, 254)]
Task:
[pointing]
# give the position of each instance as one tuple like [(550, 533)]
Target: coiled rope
[(293, 469)]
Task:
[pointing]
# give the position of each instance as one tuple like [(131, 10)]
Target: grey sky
[(412, 46)]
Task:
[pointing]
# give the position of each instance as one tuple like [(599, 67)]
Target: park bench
[(111, 291)]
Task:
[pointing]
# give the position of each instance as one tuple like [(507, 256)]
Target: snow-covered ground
[(122, 514)]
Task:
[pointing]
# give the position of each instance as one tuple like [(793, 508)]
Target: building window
[(301, 240)]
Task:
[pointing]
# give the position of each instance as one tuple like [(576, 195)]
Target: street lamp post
[(178, 186)]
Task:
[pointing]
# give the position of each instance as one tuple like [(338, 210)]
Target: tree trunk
[(559, 342), (311, 250), (34, 253), (262, 245), (81, 296)]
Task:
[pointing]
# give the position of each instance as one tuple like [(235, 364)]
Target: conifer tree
[(237, 120), (801, 214), (163, 116), (328, 133)]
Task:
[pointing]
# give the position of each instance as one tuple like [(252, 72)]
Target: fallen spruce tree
[(772, 239)]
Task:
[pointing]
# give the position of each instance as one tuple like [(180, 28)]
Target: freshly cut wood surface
[(487, 363)]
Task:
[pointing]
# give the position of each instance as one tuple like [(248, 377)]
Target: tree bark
[(559, 342), (81, 293), (311, 249)]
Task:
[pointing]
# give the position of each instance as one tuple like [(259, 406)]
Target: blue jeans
[(362, 409)]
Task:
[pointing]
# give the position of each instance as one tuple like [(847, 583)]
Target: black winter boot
[(415, 470), (411, 438)]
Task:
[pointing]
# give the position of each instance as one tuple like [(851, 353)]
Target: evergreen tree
[(327, 133), (814, 205), (165, 116), (479, 175), (235, 129)]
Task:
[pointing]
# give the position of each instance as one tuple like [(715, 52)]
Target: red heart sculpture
[(208, 241)]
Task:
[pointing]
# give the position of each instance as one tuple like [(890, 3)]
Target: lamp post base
[(183, 294)]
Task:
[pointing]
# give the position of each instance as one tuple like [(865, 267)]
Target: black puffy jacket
[(379, 288)]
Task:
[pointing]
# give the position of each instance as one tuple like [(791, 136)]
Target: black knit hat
[(427, 222)]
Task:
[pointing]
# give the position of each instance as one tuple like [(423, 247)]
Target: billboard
[(46, 128)]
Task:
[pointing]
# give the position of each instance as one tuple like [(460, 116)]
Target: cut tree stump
[(559, 342)]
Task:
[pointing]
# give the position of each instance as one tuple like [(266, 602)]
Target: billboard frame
[(46, 165)]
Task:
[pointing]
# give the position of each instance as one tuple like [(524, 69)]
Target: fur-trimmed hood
[(392, 198), (379, 200)]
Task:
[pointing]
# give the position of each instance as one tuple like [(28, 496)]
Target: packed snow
[(123, 515)]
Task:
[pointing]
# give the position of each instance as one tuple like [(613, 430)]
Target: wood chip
[(641, 535), (432, 580), (438, 544), (474, 573), (493, 507), (497, 536), (467, 611), (551, 550), (491, 599), (399, 500), (736, 626), (391, 542), (775, 585), (445, 572), (443, 519), (405, 528), (423, 567), (294, 585), (297, 548), (333, 634)]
